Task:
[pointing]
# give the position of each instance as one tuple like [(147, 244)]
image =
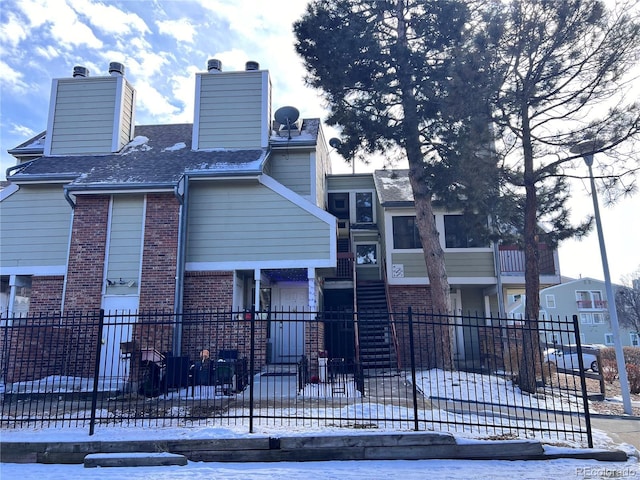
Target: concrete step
[(133, 459)]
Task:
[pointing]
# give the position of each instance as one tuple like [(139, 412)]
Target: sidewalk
[(621, 429)]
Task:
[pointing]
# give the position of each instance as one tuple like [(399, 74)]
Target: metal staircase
[(374, 327)]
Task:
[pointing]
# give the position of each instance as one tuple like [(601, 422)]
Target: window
[(364, 207), (608, 338), (405, 233), (15, 298), (586, 318), (598, 318), (458, 234), (366, 254), (635, 339), (551, 301), (590, 299)]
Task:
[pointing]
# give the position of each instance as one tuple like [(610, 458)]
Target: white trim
[(266, 109), (105, 265), (52, 109), (143, 243), (252, 265), (195, 140), (477, 281), (9, 190), (117, 114), (35, 270)]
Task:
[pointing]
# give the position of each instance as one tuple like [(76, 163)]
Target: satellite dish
[(287, 115), (335, 142)]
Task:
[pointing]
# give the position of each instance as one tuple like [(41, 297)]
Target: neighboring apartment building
[(587, 299), (235, 211)]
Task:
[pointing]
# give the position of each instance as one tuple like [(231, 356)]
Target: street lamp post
[(586, 149)]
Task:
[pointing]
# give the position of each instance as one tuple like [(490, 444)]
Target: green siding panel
[(293, 171), (125, 239), (35, 225), (84, 103), (463, 264), (231, 113), (350, 182), (251, 223)]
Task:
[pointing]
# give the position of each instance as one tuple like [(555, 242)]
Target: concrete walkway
[(621, 429)]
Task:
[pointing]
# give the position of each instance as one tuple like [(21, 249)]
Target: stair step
[(146, 459)]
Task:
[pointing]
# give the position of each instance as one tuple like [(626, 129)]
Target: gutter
[(17, 167)]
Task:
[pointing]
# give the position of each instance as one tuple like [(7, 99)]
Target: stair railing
[(392, 322), (355, 307)]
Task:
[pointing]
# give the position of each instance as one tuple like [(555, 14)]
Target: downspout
[(67, 197), (183, 199)]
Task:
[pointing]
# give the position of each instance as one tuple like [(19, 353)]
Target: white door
[(118, 330), (287, 328)]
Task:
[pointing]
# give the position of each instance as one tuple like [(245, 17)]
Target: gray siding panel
[(350, 182), (463, 264), (35, 224), (251, 223), (84, 104), (293, 171), (125, 238), (231, 111)]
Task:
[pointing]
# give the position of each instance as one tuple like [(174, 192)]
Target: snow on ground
[(464, 387)]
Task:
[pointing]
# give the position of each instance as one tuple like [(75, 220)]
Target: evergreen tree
[(384, 67)]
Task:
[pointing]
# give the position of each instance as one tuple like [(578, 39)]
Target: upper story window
[(405, 232), (364, 207), (635, 339), (356, 207), (458, 235), (590, 299), (551, 301)]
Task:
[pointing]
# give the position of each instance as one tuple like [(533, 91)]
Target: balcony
[(592, 304), (512, 261)]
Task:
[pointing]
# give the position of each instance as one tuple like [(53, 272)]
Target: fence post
[(413, 371), (252, 357), (583, 381), (96, 373)]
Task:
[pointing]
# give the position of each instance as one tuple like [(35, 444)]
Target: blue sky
[(163, 43)]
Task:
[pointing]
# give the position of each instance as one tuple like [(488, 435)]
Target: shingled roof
[(158, 156)]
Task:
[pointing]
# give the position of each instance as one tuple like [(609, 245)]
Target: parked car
[(566, 358)]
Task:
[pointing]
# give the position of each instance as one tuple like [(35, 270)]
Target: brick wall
[(87, 253), (46, 295), (160, 254), (427, 338), (208, 296)]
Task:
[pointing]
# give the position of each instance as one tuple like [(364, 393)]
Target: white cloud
[(155, 103), (48, 52), (12, 31), (183, 90), (182, 30), (110, 19), (22, 130), (11, 79)]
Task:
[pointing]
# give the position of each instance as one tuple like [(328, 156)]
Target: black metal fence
[(405, 371)]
